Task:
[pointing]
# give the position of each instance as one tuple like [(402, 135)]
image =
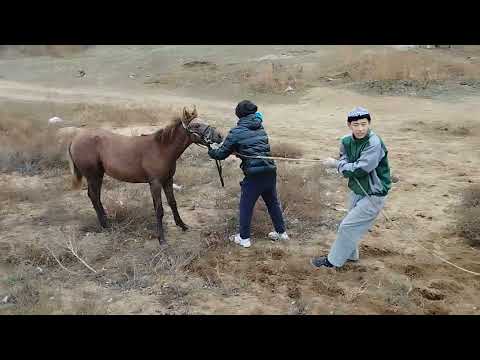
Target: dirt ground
[(424, 104)]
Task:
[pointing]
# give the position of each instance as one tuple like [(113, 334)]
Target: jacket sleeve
[(367, 162), (225, 150)]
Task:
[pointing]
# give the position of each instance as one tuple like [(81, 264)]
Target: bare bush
[(408, 65), (95, 115), (286, 150), (12, 193), (28, 148), (302, 192), (468, 215), (272, 78)]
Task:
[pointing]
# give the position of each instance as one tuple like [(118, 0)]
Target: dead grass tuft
[(286, 150), (467, 215), (28, 148)]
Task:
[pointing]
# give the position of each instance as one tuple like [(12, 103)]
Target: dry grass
[(397, 293), (261, 78), (94, 114), (302, 191), (13, 194), (27, 293), (42, 50), (88, 304), (285, 150), (404, 65), (468, 215), (28, 148), (272, 78)]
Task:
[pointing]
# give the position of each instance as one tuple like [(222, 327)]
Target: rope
[(382, 211), (277, 158), (423, 247)]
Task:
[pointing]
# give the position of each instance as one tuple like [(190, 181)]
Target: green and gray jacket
[(365, 159)]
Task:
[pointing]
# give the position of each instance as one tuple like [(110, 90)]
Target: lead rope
[(423, 247)]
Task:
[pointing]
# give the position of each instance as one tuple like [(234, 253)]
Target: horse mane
[(166, 134)]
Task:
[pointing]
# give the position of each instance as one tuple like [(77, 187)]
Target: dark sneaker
[(320, 261)]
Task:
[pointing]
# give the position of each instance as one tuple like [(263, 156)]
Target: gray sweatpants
[(358, 221)]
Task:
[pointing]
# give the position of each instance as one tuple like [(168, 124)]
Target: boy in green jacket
[(363, 160)]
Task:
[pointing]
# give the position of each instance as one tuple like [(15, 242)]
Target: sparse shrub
[(285, 150), (273, 78), (468, 215), (301, 191), (29, 148)]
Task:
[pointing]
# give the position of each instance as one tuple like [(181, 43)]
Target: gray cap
[(358, 113)]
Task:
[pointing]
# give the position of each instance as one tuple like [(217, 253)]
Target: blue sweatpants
[(254, 186)]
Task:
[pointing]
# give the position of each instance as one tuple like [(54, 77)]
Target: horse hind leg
[(94, 193), (156, 191)]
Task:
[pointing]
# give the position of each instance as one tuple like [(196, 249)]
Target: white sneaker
[(242, 242), (276, 236)]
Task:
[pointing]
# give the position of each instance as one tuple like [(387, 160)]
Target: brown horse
[(137, 159)]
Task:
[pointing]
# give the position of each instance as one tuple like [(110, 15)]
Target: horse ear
[(186, 115), (194, 113)]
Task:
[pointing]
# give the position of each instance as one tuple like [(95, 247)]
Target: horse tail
[(76, 174)]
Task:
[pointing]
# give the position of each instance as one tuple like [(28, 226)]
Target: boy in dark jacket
[(249, 139)]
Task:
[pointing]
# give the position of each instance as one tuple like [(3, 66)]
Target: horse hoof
[(183, 227)]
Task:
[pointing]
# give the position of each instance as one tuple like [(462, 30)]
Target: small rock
[(39, 269), (51, 298), (177, 187), (395, 179), (55, 120), (132, 76), (110, 300), (289, 89), (81, 73), (5, 299)]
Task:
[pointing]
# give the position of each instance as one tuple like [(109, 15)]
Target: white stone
[(55, 120)]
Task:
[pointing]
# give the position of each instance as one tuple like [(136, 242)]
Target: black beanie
[(245, 108)]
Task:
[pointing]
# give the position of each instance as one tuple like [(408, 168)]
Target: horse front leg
[(168, 188), (156, 191)]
